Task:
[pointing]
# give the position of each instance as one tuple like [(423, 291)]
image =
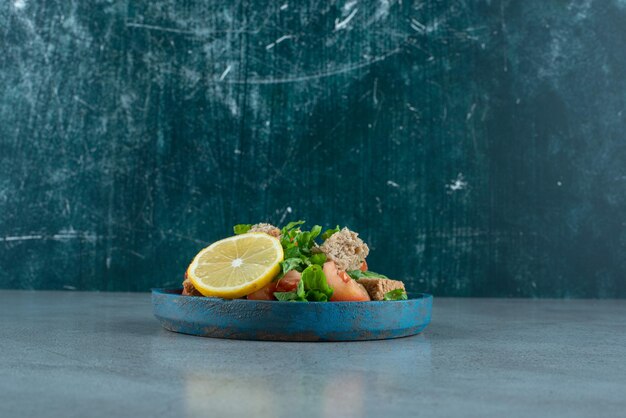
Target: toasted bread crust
[(346, 249), (378, 287), (189, 289), (269, 229)]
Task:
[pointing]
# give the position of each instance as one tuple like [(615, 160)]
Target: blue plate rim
[(413, 297)]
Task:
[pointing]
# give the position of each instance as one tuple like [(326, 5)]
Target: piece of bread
[(189, 289), (346, 249), (269, 229), (378, 287)]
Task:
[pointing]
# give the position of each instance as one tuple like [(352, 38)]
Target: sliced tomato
[(288, 283), (364, 266), (344, 288), (264, 293)]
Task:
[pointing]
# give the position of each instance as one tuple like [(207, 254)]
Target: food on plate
[(188, 289), (264, 262), (346, 249), (266, 228), (236, 266), (345, 288), (377, 288)]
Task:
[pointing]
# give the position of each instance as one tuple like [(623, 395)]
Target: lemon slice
[(236, 266)]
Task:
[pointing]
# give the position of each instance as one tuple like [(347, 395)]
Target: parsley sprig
[(398, 294), (358, 274), (298, 248)]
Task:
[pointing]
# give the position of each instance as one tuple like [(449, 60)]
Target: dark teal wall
[(479, 146)]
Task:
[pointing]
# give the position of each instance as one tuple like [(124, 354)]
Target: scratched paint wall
[(478, 146)]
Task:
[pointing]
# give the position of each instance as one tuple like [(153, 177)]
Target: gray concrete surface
[(102, 354)]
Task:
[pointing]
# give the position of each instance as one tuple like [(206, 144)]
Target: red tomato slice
[(364, 266), (264, 293), (344, 288), (288, 283)]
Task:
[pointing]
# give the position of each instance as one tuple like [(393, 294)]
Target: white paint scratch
[(68, 234), (22, 238), (277, 41), (382, 11), (19, 4), (417, 26), (457, 184), (62, 235), (226, 71), (433, 26), (349, 5), (136, 254), (322, 74), (392, 184), (159, 28), (84, 103), (284, 6), (193, 32), (375, 90), (284, 216), (471, 112), (344, 23)]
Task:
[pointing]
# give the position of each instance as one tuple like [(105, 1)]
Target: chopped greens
[(290, 226), (316, 296), (312, 287), (297, 245), (297, 296), (293, 263), (318, 258), (314, 280), (241, 228), (329, 232), (358, 274), (286, 296), (303, 254), (398, 294)]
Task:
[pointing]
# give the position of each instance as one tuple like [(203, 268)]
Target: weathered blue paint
[(284, 321)]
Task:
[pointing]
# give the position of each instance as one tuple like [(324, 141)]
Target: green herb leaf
[(315, 231), (329, 232), (318, 258), (306, 239), (291, 264), (358, 274), (241, 228), (286, 296), (313, 278), (316, 296), (397, 294), (312, 287), (297, 246), (299, 295), (300, 290), (292, 252), (291, 225)]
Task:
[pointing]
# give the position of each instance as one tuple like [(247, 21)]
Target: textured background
[(479, 146)]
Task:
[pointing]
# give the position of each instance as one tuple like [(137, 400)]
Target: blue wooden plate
[(291, 321)]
